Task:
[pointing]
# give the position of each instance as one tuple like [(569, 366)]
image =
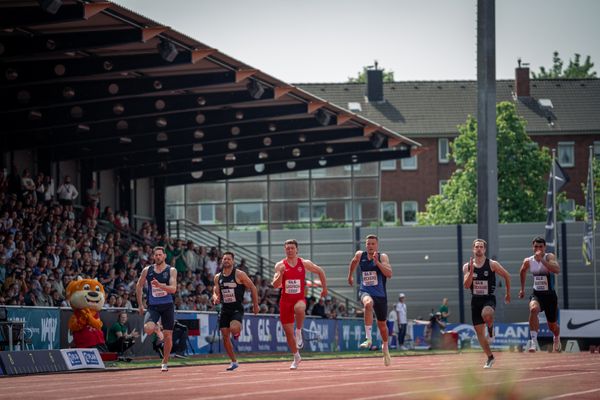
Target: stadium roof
[(96, 82)]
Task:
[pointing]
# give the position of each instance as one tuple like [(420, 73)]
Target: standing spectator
[(190, 257), (93, 193), (27, 183), (445, 313), (48, 190), (212, 264), (401, 315), (67, 192)]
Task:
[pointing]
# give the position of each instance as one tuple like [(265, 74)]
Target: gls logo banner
[(579, 323)]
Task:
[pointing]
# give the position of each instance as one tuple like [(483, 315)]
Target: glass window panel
[(365, 187), (206, 192), (248, 190), (388, 165), (409, 212), (409, 163), (331, 188), (388, 212), (174, 194), (566, 154), (443, 150), (289, 190)]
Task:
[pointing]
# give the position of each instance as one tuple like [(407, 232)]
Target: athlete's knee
[(487, 313), (300, 307), (534, 308), (368, 303), (149, 327), (235, 327)]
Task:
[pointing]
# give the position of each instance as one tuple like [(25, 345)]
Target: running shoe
[(533, 346), (366, 344), (489, 362), (556, 347), (164, 367), (299, 342), (387, 360), (233, 366), (296, 362)]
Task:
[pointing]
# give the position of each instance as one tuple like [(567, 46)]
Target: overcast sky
[(301, 41)]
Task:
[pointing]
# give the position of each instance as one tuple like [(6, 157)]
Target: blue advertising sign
[(506, 334), (42, 326)]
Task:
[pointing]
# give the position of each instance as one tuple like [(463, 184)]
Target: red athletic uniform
[(292, 290)]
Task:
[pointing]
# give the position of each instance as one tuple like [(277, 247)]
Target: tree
[(522, 171), (362, 76), (575, 70)]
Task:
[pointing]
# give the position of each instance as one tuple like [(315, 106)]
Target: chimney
[(522, 80), (374, 85)]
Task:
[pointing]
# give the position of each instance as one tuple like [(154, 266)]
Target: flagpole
[(555, 233), (591, 169)]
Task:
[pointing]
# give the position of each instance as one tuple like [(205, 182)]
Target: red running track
[(545, 376)]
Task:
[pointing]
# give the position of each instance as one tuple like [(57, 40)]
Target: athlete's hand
[(141, 309), (539, 254), (155, 283), (255, 309), (324, 292), (507, 298), (521, 294), (215, 299), (375, 257), (350, 280)]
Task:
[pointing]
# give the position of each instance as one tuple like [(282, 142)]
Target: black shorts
[(548, 303), (379, 306), (230, 315), (477, 305), (164, 312)]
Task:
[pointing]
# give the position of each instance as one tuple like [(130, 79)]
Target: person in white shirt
[(402, 318), (67, 192)]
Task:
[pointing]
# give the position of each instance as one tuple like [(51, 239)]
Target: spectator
[(319, 308), (190, 257), (444, 310), (48, 190), (402, 317), (67, 192), (93, 193)]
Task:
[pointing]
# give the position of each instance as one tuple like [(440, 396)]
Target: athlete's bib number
[(158, 292), (369, 278), (292, 286), (540, 282), (228, 295), (480, 287)]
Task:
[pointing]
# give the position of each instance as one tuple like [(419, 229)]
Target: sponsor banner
[(506, 335), (580, 323), (31, 362), (352, 333), (198, 331), (82, 359), (41, 327)]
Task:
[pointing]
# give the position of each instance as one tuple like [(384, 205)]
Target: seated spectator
[(118, 338)]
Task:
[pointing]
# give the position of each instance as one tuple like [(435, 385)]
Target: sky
[(316, 41)]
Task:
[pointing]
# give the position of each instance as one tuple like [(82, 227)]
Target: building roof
[(96, 82), (435, 108)]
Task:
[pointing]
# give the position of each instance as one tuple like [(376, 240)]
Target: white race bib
[(228, 295), (292, 286), (540, 282), (480, 287), (158, 292), (369, 278)]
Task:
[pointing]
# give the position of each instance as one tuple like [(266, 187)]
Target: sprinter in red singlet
[(290, 276)]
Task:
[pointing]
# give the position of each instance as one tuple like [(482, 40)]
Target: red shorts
[(286, 311)]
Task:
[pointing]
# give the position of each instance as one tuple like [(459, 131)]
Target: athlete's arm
[(523, 276), (499, 269), (216, 296), (468, 270), (352, 267), (138, 290), (312, 267), (246, 281), (549, 261), (278, 277), (383, 263)]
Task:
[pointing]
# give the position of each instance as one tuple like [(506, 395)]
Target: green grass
[(210, 359)]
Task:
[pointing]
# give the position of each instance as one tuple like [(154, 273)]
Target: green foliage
[(388, 76), (575, 70), (522, 171)]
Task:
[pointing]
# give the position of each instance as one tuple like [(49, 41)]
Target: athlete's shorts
[(286, 312), (548, 303), (164, 312), (379, 305), (227, 316), (478, 303)]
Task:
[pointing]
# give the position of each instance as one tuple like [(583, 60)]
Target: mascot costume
[(86, 297)]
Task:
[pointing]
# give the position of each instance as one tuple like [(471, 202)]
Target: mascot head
[(86, 293)]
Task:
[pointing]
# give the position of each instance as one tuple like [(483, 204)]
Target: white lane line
[(561, 396)]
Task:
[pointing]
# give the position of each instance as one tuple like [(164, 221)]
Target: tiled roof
[(435, 108)]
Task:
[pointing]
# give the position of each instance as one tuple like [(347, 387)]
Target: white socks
[(368, 329), (533, 335)]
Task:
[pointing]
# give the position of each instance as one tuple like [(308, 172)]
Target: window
[(175, 212), (565, 209), (443, 151), (206, 214), (388, 165), (597, 149), (249, 213), (409, 163), (388, 212), (442, 183), (409, 212), (354, 107), (319, 210), (355, 167), (566, 154), (357, 211)]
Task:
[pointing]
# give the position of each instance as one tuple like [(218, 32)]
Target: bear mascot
[(86, 297)]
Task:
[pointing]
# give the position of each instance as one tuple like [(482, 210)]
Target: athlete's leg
[(299, 313), (368, 311), (225, 333), (288, 329), (168, 345), (534, 310), (480, 330)]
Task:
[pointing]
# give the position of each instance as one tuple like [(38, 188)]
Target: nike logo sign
[(571, 325)]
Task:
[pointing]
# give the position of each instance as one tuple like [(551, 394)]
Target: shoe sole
[(232, 368), (365, 346), (488, 366)]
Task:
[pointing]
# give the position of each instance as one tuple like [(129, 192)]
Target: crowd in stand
[(45, 243)]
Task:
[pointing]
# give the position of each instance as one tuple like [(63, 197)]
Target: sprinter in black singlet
[(480, 276), (230, 285)]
